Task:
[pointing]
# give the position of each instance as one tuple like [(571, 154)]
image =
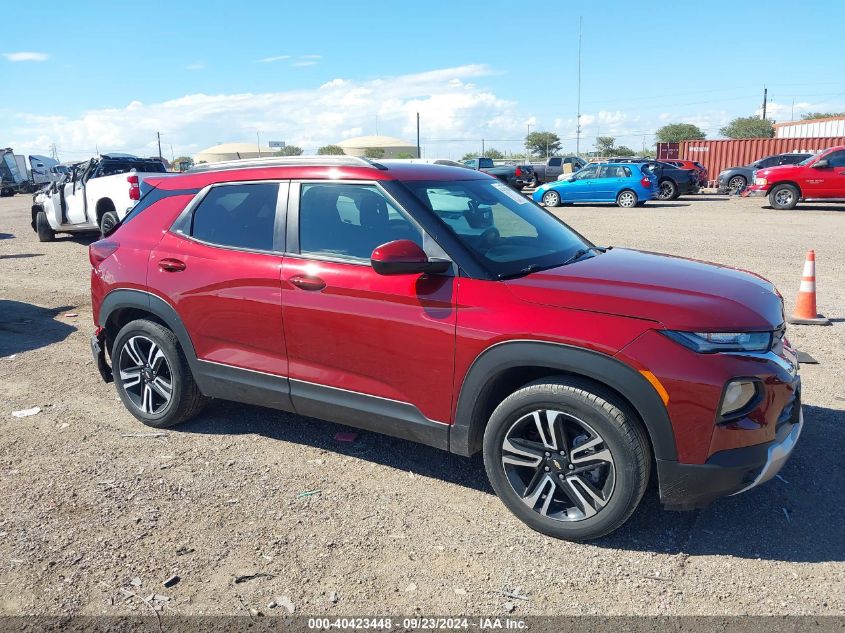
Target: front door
[(584, 185), (371, 350), (74, 197), (220, 268)]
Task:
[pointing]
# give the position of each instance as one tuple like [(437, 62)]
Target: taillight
[(100, 250), (645, 182), (134, 187), (518, 172)]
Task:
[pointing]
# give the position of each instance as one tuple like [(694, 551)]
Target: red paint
[(812, 181), (413, 337)]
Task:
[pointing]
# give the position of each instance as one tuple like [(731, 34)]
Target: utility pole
[(418, 135), (792, 111), (482, 148), (258, 142), (765, 99), (158, 137), (527, 134), (578, 116)]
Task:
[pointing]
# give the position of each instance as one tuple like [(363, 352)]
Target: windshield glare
[(507, 232), (807, 160)]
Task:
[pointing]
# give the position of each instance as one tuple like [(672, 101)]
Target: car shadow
[(25, 327), (665, 205), (6, 236), (84, 239), (809, 207), (22, 256), (794, 517)]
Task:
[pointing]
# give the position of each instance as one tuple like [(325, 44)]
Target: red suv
[(436, 304), (819, 177)]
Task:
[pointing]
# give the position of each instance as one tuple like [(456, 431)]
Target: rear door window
[(237, 216)]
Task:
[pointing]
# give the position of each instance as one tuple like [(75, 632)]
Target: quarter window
[(350, 221), (836, 159), (240, 216)]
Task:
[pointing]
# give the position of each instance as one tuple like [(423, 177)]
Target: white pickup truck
[(93, 196)]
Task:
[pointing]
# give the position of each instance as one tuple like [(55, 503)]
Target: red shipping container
[(717, 155)]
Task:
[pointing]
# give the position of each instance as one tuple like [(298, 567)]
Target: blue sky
[(101, 76)]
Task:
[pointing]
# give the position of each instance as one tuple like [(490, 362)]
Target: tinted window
[(554, 162), (587, 172), (614, 171), (111, 167), (836, 159), (241, 216), (349, 221)]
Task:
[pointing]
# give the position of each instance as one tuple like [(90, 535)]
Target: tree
[(748, 127), (605, 145), (330, 150), (623, 151), (289, 150), (647, 153), (470, 155), (182, 163), (677, 132), (405, 155), (494, 154), (543, 143), (374, 152), (821, 115)]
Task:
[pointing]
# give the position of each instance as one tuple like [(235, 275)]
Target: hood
[(682, 294), (779, 169)]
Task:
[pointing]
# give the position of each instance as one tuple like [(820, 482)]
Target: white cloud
[(308, 118), (26, 56), (303, 62), (270, 60), (196, 66)]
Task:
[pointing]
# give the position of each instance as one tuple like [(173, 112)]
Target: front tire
[(784, 197), (627, 199), (43, 228), (566, 459), (152, 375), (736, 184), (668, 190), (551, 198)]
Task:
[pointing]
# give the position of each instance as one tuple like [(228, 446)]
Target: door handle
[(170, 265), (307, 282)]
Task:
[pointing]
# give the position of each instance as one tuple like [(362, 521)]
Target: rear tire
[(108, 222), (43, 228), (784, 197), (152, 375), (627, 199), (668, 190), (551, 490), (551, 198)]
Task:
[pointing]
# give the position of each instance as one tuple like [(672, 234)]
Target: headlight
[(738, 394), (760, 181), (712, 342)]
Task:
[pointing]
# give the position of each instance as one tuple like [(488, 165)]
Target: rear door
[(834, 175), (220, 267)]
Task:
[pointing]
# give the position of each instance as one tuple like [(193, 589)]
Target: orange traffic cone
[(805, 307)]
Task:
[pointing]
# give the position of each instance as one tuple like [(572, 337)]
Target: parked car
[(14, 176), (692, 165), (439, 305), (627, 185), (672, 181), (93, 196), (517, 176), (818, 178), (734, 179), (553, 167)]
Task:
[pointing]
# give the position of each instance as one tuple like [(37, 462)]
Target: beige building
[(232, 151), (393, 147)]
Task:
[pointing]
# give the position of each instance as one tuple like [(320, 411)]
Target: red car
[(818, 178), (436, 304), (695, 166)]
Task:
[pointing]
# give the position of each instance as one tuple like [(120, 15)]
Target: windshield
[(508, 233)]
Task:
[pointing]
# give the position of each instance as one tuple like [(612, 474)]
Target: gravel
[(96, 511)]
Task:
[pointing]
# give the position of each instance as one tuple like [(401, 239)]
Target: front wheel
[(566, 459), (152, 376), (43, 228), (784, 197), (736, 185), (627, 199), (551, 198)]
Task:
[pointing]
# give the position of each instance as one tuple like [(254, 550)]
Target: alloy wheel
[(783, 197), (666, 191), (145, 375), (736, 184), (627, 199), (558, 465), (551, 198)]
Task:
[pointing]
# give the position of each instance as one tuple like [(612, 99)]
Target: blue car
[(626, 184)]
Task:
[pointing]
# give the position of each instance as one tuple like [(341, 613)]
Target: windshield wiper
[(533, 268)]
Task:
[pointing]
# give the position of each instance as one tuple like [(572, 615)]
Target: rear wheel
[(567, 460), (152, 375), (627, 199), (108, 222), (43, 228), (551, 198), (784, 197)]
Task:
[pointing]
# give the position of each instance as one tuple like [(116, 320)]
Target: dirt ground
[(93, 520)]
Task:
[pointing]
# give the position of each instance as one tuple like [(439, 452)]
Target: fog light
[(737, 395)]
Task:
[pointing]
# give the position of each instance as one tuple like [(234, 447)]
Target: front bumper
[(728, 472), (755, 192)]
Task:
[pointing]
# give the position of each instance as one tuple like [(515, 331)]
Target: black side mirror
[(821, 164)]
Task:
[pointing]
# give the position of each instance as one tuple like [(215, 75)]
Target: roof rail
[(285, 161)]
